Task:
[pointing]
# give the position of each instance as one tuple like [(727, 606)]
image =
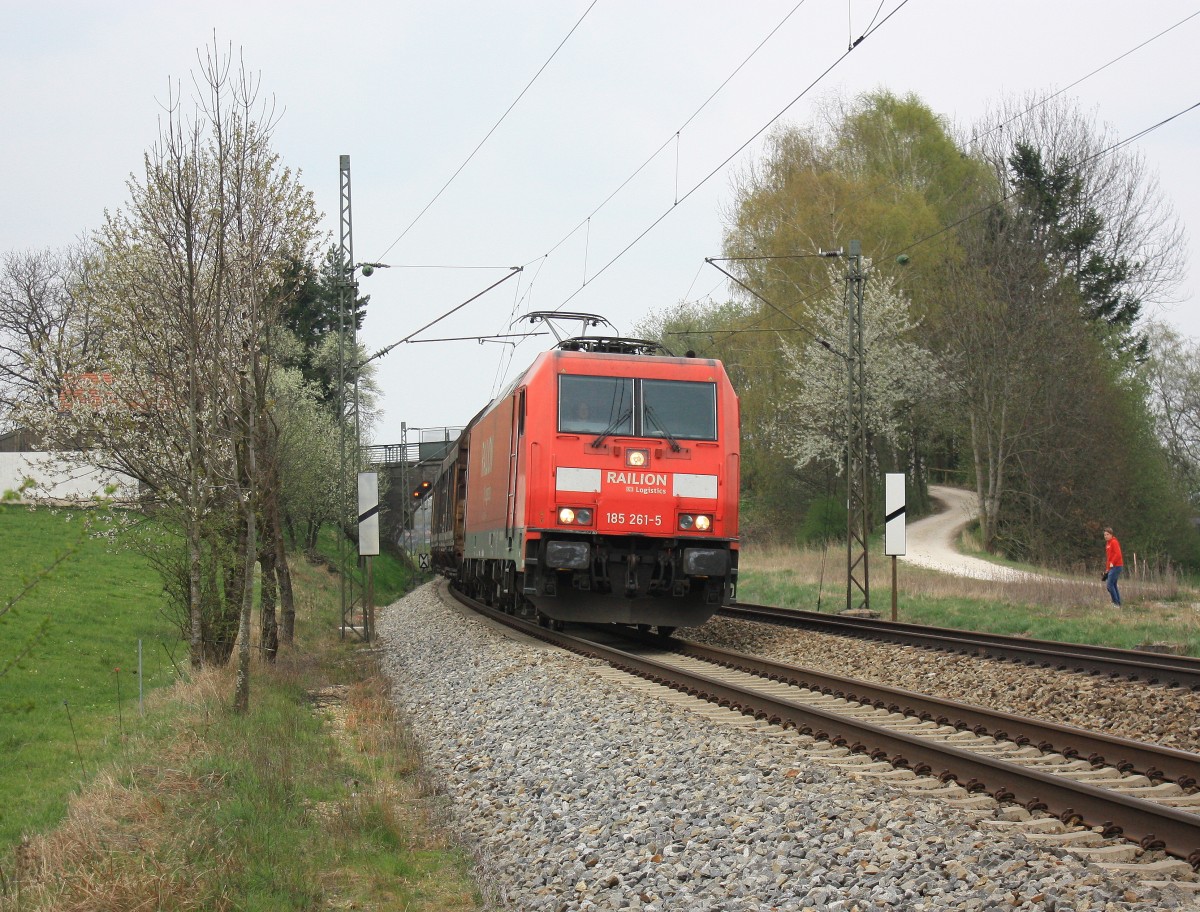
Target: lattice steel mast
[(857, 478), (351, 586)]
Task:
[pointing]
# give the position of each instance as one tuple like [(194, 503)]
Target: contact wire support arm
[(514, 270)]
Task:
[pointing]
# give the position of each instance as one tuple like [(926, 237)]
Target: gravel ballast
[(1132, 709), (575, 793)]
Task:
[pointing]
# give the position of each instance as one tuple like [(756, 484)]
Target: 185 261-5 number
[(645, 520)]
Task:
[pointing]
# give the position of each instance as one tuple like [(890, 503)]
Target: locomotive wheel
[(543, 620), (665, 631)]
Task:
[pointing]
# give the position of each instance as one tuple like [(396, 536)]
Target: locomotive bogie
[(630, 579)]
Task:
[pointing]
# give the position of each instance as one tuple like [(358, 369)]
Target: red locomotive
[(601, 486)]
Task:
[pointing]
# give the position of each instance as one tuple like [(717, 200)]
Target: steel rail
[(1155, 668), (1151, 760), (1153, 826)]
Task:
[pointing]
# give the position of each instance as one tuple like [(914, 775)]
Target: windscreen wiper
[(675, 448), (612, 426)]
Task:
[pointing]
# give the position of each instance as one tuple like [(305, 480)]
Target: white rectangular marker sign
[(893, 500), (368, 514)]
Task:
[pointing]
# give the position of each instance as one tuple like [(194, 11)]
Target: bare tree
[(997, 331), (1137, 225), (191, 276), (47, 327)]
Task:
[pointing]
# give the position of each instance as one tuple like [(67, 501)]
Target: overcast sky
[(408, 90)]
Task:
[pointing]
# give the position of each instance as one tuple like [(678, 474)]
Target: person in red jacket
[(1113, 564)]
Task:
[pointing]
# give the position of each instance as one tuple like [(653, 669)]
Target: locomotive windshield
[(622, 406), (595, 405), (676, 408)]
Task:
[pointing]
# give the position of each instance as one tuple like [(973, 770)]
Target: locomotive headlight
[(703, 523), (685, 521), (637, 458), (574, 516)]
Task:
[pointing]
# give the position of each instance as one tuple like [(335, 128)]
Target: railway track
[(1130, 664), (1118, 788)]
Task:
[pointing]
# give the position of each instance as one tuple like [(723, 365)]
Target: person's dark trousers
[(1113, 574)]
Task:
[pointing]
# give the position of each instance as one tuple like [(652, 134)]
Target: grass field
[(1158, 608), (77, 689), (315, 799)]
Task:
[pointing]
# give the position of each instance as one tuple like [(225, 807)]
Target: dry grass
[(355, 823), (810, 565), (123, 846), (1151, 595), (392, 791)]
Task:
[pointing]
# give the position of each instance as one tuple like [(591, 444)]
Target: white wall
[(59, 478)]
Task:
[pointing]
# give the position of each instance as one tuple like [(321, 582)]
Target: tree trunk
[(268, 626), (241, 696), (195, 598), (220, 634), (287, 599)]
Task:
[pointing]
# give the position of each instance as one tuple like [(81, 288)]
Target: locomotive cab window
[(622, 406), (675, 408), (595, 405)]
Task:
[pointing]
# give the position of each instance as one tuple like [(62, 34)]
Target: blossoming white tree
[(189, 280), (900, 372)]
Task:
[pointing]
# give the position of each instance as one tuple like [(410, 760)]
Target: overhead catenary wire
[(850, 42), (489, 133), (674, 137), (800, 326), (432, 266), (515, 270), (704, 180), (695, 278), (1099, 69), (503, 363), (502, 337)]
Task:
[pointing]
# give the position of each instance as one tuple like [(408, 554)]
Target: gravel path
[(931, 541), (578, 794), (1136, 710)]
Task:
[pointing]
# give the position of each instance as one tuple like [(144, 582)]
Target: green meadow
[(314, 799), (69, 644)]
